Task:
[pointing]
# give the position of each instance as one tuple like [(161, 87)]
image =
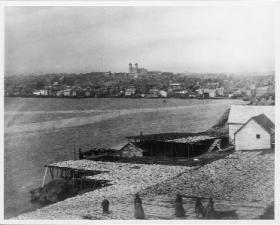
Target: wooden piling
[(46, 170), (51, 171)]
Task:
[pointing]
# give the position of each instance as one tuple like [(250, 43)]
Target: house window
[(258, 136)]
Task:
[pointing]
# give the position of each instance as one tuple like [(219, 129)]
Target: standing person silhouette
[(210, 211), (199, 208), (105, 206), (179, 209), (139, 212)]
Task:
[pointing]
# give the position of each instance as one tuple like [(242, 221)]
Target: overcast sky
[(176, 39)]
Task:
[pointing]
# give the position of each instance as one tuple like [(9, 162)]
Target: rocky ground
[(243, 181), (241, 176)]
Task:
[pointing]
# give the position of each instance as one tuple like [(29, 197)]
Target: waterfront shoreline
[(30, 151)]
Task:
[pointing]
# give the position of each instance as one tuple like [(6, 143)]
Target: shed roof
[(129, 144), (263, 121), (194, 139), (240, 114), (166, 136)]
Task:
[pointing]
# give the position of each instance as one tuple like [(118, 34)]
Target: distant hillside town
[(139, 82)]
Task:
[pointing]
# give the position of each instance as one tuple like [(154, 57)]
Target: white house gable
[(240, 114), (252, 136)]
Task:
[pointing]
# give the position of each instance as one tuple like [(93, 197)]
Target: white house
[(154, 93), (175, 86), (200, 91), (257, 133), (37, 92), (130, 91), (87, 93), (260, 91), (212, 93), (163, 93), (40, 92), (240, 114), (67, 92), (220, 91), (74, 93)]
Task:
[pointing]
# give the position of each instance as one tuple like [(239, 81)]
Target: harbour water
[(39, 131)]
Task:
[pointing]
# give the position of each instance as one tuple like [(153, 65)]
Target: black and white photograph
[(145, 111)]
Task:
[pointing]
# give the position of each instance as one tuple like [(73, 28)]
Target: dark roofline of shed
[(170, 136), (253, 118)]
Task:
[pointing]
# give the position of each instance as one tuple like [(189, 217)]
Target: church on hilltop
[(135, 71)]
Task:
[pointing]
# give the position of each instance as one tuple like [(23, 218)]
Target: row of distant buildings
[(245, 92), (173, 90), (57, 90), (139, 82), (152, 93)]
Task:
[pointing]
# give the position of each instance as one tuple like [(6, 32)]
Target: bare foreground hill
[(242, 181)]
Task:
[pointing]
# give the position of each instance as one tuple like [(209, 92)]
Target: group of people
[(139, 212), (207, 213)]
